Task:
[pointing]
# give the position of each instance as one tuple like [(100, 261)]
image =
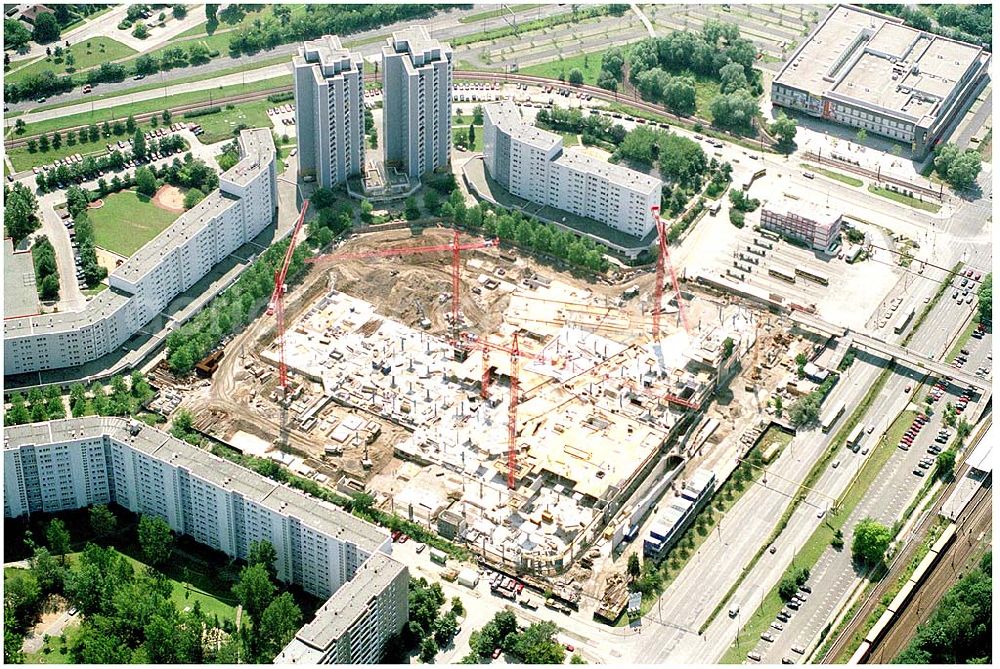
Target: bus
[(855, 437), (833, 416), (904, 320), (781, 273), (812, 276)]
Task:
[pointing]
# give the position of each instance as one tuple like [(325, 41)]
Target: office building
[(820, 228), (531, 164), (171, 263), (329, 111), (416, 93), (680, 511), (74, 463), (869, 71)]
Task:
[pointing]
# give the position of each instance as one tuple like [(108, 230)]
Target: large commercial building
[(670, 524), (329, 111), (170, 264), (819, 227), (868, 70), (74, 463), (531, 163), (416, 113)]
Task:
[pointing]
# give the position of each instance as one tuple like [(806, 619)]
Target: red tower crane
[(455, 247), (277, 303), (663, 258)]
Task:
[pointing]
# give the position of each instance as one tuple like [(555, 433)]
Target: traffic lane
[(708, 586), (70, 295), (834, 574)]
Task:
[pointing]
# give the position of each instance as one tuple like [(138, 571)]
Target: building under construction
[(524, 443)]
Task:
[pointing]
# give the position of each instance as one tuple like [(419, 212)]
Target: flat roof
[(981, 457), (101, 306), (507, 117), (418, 43), (350, 602), (616, 174), (257, 147), (821, 214), (20, 294), (858, 55), (328, 57), (310, 511)]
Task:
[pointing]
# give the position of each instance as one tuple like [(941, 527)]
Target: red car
[(569, 647), (403, 538), (520, 587), (395, 535)]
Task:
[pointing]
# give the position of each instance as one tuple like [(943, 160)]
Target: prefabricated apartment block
[(329, 111), (170, 264), (416, 112), (868, 70), (531, 163), (74, 463)]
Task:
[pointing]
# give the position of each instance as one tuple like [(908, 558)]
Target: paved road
[(34, 644), (972, 127), (444, 25)]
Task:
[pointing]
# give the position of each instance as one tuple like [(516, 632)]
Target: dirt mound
[(170, 198)]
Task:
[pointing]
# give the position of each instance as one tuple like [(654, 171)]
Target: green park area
[(87, 54), (221, 125), (127, 221), (589, 65), (905, 199)]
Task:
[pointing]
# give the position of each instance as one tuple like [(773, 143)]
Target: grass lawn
[(122, 111), (283, 152), (837, 176), (187, 591), (905, 199), (22, 159), (127, 221), (819, 542), (58, 653), (570, 138), (101, 50), (153, 82), (219, 127), (90, 292), (589, 64), (985, 147), (463, 132), (963, 338), (481, 16)]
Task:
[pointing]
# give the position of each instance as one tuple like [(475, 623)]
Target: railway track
[(872, 600), (471, 75)]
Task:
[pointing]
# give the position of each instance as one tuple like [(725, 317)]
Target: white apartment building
[(531, 163), (416, 113), (74, 463), (168, 265), (351, 628), (329, 109)]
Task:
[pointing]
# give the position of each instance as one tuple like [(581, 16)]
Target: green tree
[(193, 197), (145, 181), (428, 650), (278, 624), (838, 539), (538, 645), (477, 115), (78, 400), (805, 411), (734, 111), (139, 144), (130, 125), (456, 606), (263, 553), (612, 62), (102, 521), (20, 212), (472, 139), (861, 135), (634, 568), (784, 128), (445, 628), (179, 11), (607, 81), (155, 540), (412, 211), (18, 413), (70, 61), (58, 538), (15, 35), (50, 287), (986, 299), (732, 77), (255, 591), (46, 28), (576, 659), (946, 465), (575, 76), (871, 541), (366, 211)]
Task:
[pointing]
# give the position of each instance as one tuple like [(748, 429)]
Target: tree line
[(46, 270), (534, 644), (231, 310), (128, 614), (281, 27), (124, 399), (965, 23), (20, 212)]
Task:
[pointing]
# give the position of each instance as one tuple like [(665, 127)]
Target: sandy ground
[(170, 198), (108, 259)]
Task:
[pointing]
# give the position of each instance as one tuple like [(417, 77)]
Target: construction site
[(515, 409)]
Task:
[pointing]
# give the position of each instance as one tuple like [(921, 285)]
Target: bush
[(203, 112)]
